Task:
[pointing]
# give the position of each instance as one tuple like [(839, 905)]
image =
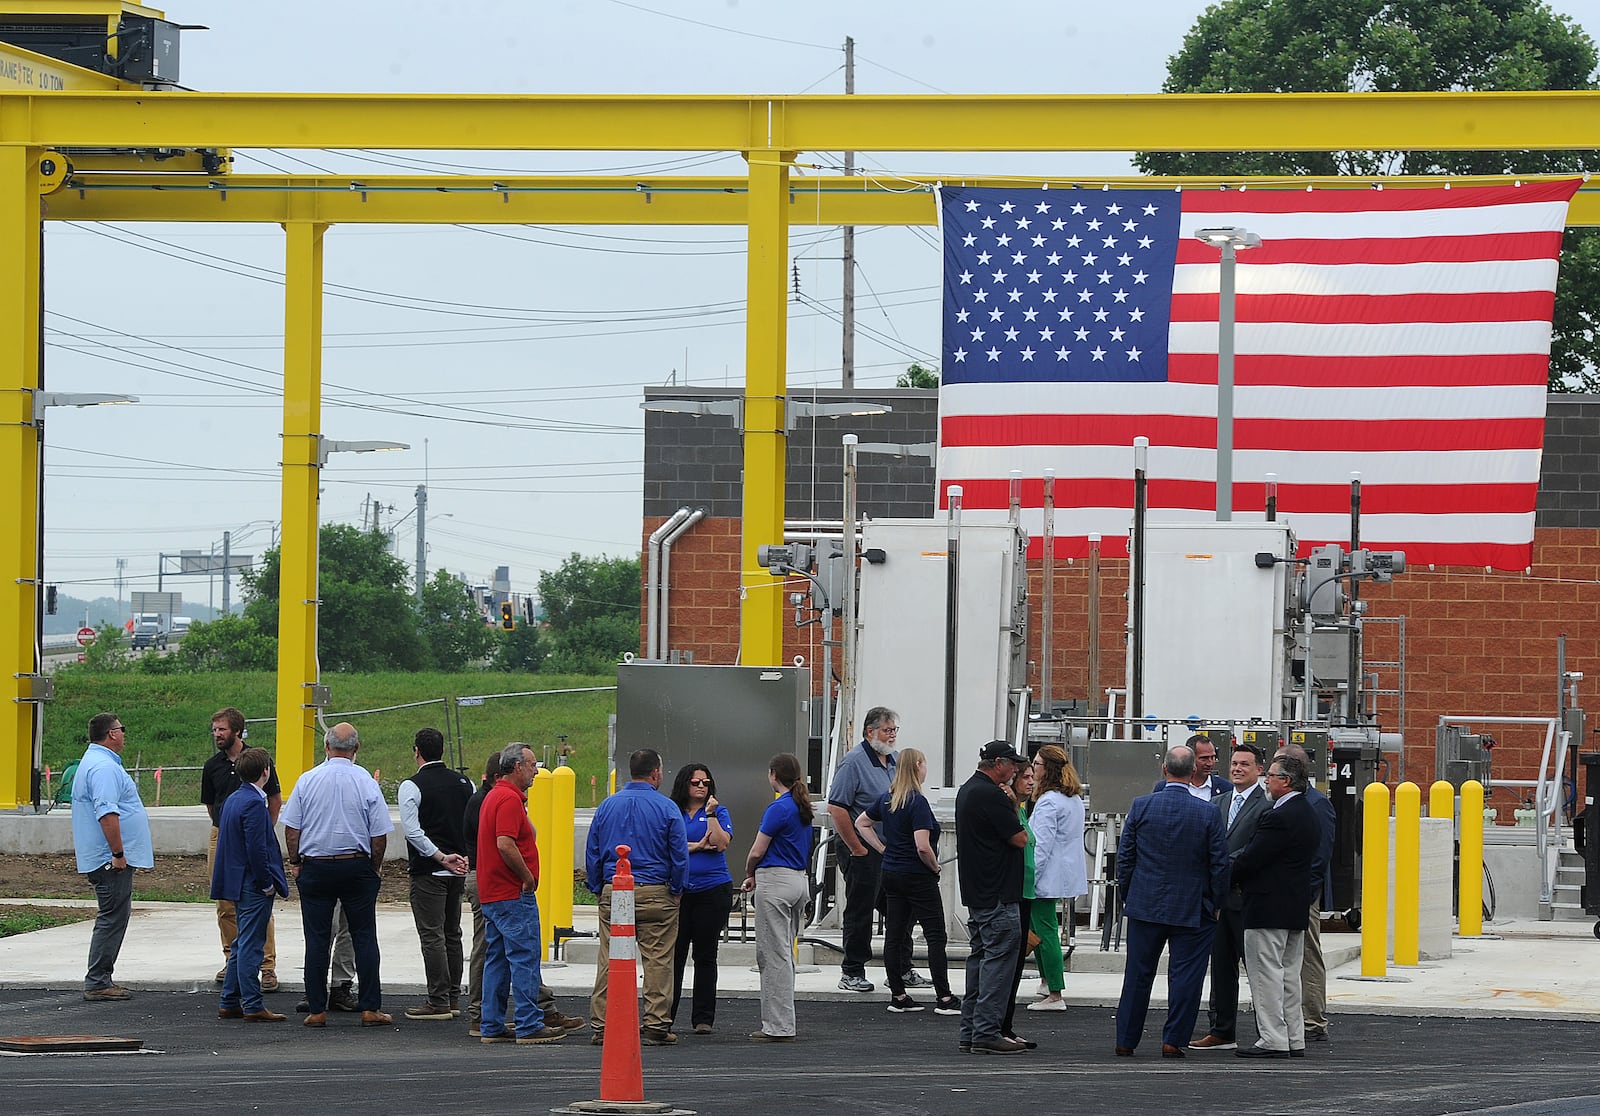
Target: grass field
[(26, 919), (169, 720)]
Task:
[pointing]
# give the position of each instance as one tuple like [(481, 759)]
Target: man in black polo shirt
[(432, 804), (217, 782), (989, 843)]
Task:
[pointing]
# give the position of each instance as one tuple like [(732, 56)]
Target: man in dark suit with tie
[(1314, 971), (1244, 803), (248, 872), (1172, 876), (1274, 872)]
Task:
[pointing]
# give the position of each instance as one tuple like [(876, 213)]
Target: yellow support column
[(765, 383), (1470, 918), (1375, 881), (19, 467), (302, 445), (563, 817), (540, 800), (1407, 873)]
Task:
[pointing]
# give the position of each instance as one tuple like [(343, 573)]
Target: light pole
[(1229, 239), (42, 401)]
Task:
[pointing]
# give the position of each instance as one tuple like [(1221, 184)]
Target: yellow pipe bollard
[(1407, 873), (1470, 919), (1375, 881), (540, 799), (1442, 800), (563, 816)]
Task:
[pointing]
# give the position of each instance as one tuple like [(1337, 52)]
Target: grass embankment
[(27, 918), (169, 720)]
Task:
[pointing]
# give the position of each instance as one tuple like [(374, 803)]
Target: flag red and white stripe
[(1402, 335)]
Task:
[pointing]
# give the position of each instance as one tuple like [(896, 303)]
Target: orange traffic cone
[(621, 1068)]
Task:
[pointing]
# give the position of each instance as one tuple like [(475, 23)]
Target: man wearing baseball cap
[(989, 843)]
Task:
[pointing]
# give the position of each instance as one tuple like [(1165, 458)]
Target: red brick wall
[(1477, 643)]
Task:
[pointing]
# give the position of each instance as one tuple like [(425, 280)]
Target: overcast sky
[(522, 352)]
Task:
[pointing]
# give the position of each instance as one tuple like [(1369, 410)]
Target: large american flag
[(1402, 334)]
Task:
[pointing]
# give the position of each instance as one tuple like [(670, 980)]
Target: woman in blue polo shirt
[(776, 872), (707, 891)]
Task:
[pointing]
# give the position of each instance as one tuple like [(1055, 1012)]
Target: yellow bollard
[(540, 797), (1442, 800), (1375, 881), (1407, 873), (563, 813), (1470, 918)]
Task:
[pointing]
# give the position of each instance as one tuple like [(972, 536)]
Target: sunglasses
[(699, 782)]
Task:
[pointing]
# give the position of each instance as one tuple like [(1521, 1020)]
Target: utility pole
[(847, 359), (422, 539), (227, 549)]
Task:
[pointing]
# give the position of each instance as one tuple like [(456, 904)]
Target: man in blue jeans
[(111, 834), (989, 843), (508, 876)]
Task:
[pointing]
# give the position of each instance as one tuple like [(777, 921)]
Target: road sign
[(86, 636)]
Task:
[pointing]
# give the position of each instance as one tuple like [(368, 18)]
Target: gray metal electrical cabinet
[(732, 719)]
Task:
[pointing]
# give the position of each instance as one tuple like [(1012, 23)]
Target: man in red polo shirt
[(508, 874)]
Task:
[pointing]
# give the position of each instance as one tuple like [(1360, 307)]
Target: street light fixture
[(1228, 239), (327, 446), (42, 401)]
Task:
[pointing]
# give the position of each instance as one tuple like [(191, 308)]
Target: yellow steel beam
[(302, 438), (19, 464), (826, 200), (766, 346), (26, 70), (1066, 122)]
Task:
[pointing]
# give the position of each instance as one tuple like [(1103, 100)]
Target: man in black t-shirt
[(217, 782), (989, 843)]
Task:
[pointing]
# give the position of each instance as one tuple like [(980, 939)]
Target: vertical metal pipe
[(1225, 332), (1352, 712), (422, 539), (1141, 506), (952, 598), (1272, 497), (227, 561), (847, 607), (1047, 596), (1094, 628)]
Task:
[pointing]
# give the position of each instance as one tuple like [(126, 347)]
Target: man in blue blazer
[(1172, 877), (248, 871)]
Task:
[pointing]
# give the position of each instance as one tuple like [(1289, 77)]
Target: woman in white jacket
[(1060, 871)]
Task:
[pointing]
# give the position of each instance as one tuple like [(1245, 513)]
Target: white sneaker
[(1048, 1005)]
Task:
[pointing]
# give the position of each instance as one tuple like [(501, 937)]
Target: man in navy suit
[(1172, 877), (1240, 808), (248, 872), (1205, 784), (1274, 872)]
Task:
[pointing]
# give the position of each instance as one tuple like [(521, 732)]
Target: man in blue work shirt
[(651, 825), (111, 834)]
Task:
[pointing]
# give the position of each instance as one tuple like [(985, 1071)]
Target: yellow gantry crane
[(123, 143)]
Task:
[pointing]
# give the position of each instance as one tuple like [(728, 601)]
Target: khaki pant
[(655, 916), (228, 919), (1314, 978)]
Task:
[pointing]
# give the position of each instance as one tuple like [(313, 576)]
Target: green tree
[(366, 619), (1261, 46), (592, 608), (450, 624), (228, 643), (918, 376), (523, 649)]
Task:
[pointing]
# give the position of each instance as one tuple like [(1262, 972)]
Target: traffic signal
[(507, 616), (49, 600)]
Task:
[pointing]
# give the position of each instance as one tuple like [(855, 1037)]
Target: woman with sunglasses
[(707, 891)]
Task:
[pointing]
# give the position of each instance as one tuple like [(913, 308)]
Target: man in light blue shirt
[(337, 825), (111, 833), (651, 825)]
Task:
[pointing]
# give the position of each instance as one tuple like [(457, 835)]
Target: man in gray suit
[(1241, 807)]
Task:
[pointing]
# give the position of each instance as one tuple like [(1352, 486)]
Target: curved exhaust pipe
[(653, 579)]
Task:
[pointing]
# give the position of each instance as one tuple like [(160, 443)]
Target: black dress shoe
[(1170, 1051), (1301, 1053), (1027, 1044), (1259, 1052)]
